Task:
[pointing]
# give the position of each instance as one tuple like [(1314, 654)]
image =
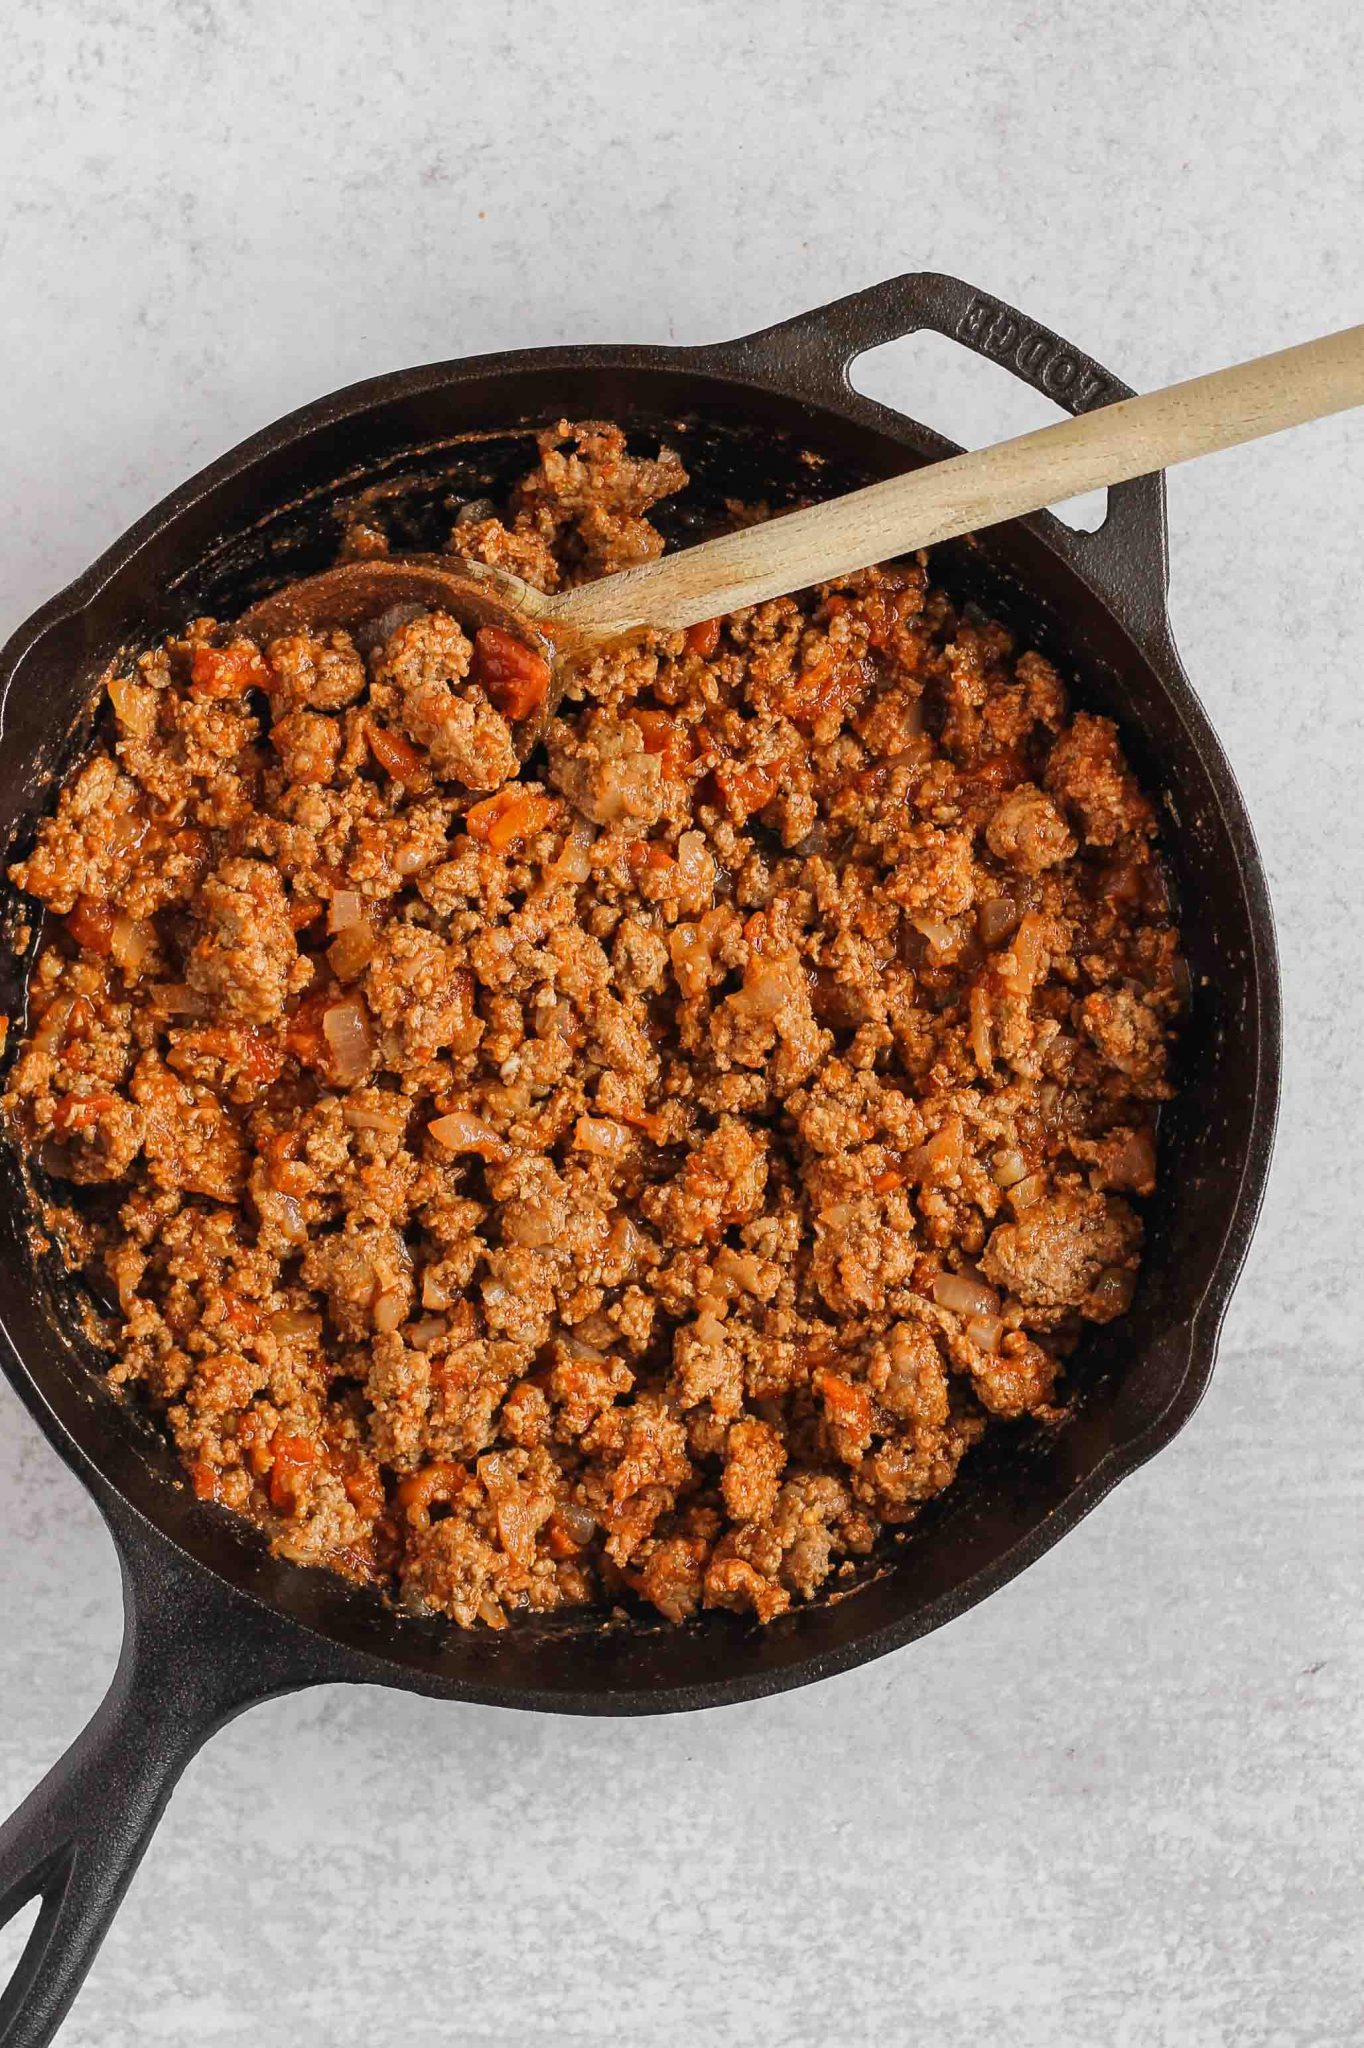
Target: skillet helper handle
[(188, 1665), (1127, 558)]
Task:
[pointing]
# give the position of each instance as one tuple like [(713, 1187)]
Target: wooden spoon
[(1131, 438)]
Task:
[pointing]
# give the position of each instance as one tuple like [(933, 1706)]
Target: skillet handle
[(188, 1665), (1127, 558)]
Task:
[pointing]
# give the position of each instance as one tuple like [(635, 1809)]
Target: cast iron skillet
[(213, 1623)]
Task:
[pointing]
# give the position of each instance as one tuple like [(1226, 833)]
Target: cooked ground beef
[(650, 1170)]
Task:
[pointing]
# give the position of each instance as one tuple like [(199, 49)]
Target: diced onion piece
[(995, 919), (739, 1272), (577, 1521), (1134, 1162), (601, 1136), (940, 1158), (435, 1294), (346, 908), (53, 1023), (295, 1323), (597, 1329), (1009, 1167), (624, 1242), (360, 1119), (410, 860), (350, 1039), (984, 1332), (1111, 1294), (1024, 1193), (174, 999), (127, 830), (573, 861), (125, 695), (459, 1130), (765, 991), (530, 1224), (428, 1331), (1026, 959), (286, 1214), (389, 1309), (964, 1296), (578, 1347), (693, 964), (940, 936), (351, 951), (130, 943)]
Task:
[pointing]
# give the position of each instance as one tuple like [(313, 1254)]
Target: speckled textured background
[(1121, 1802)]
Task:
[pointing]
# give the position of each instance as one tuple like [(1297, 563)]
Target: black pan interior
[(429, 441)]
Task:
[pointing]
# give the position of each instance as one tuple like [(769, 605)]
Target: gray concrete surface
[(1121, 1802)]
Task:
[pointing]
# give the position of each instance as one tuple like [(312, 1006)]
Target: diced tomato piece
[(995, 773), (502, 821), (293, 1458), (227, 671), (885, 1183), (80, 1112), (558, 1540), (91, 924), (192, 843), (747, 785), (240, 1315), (830, 684), (441, 1480), (647, 853), (655, 727), (847, 1406), (395, 755), (305, 910), (255, 1435), (241, 1047), (514, 675), (264, 1060), (284, 1170), (303, 1033), (654, 1127), (670, 738), (364, 1487), (703, 639), (206, 1480)]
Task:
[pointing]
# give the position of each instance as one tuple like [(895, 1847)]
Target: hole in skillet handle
[(15, 1932), (1126, 557), (928, 377)]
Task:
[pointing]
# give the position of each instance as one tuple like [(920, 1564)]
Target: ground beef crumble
[(651, 1171)]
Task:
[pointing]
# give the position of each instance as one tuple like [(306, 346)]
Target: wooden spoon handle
[(1130, 438)]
